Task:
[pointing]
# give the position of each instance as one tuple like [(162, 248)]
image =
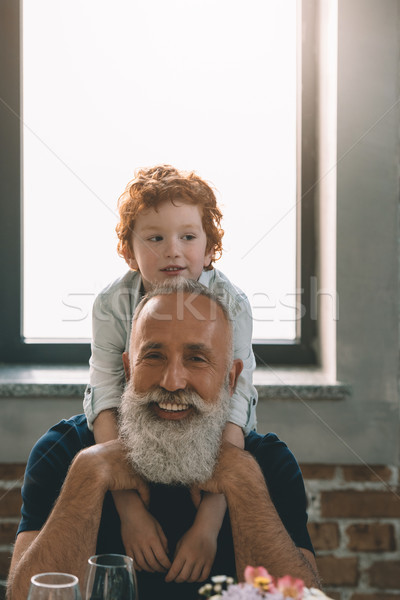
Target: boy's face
[(169, 242)]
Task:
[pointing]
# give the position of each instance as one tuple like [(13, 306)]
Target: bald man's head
[(182, 376)]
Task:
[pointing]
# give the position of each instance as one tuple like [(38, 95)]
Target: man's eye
[(197, 359), (152, 356)]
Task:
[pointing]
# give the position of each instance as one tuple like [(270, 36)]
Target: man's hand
[(77, 513), (226, 468), (235, 474), (142, 534), (194, 556), (109, 461)]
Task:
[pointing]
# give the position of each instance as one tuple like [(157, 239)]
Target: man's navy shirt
[(52, 455)]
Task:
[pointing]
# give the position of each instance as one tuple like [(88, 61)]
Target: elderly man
[(172, 416)]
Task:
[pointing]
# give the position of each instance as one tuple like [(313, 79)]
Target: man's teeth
[(173, 407)]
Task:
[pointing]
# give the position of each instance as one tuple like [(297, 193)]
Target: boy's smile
[(168, 242)]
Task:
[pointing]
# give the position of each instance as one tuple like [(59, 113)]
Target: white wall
[(366, 426)]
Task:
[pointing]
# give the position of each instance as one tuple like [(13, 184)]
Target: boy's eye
[(155, 238), (189, 236)]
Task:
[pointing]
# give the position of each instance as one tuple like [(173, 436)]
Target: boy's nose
[(172, 248), (173, 377)]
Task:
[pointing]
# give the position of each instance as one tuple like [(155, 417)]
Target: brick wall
[(10, 504), (354, 525)]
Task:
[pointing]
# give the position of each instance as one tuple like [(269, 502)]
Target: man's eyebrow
[(150, 346), (199, 347)]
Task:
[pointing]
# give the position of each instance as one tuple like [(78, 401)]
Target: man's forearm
[(68, 537), (259, 535)]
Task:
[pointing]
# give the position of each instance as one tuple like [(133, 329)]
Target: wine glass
[(110, 577), (54, 586)]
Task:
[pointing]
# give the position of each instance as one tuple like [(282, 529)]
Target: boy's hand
[(142, 535), (194, 555)]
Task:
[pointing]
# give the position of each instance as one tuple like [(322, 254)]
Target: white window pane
[(200, 84)]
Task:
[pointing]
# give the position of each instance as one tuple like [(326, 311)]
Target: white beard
[(176, 452)]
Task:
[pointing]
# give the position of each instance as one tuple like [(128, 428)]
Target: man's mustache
[(160, 395)]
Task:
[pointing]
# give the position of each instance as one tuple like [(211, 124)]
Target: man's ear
[(236, 369), (127, 367)]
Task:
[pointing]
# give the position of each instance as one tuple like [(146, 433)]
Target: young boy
[(169, 226)]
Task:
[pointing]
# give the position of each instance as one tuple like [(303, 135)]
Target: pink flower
[(259, 578), (290, 587)]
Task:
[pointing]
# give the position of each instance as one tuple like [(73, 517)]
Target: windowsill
[(302, 383), (272, 383)]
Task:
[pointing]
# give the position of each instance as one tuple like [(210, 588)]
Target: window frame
[(13, 347)]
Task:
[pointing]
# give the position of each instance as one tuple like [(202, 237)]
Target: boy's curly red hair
[(154, 185)]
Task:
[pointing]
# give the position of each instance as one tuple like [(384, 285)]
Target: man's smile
[(171, 411), (174, 407)]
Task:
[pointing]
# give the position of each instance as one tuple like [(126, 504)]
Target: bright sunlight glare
[(205, 85)]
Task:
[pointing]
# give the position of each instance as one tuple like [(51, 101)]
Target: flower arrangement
[(259, 584)]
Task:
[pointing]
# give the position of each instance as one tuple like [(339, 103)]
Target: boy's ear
[(130, 259), (208, 257), (127, 367), (236, 369)]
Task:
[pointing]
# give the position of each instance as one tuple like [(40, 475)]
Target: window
[(59, 167)]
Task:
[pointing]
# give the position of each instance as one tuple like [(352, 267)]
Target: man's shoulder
[(272, 454), (284, 482), (62, 441), (47, 467), (269, 441)]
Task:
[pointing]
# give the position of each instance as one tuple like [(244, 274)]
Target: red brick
[(12, 471), (316, 471), (7, 533), (338, 571), (375, 597), (10, 502), (385, 574), (366, 473), (324, 536), (351, 503), (371, 537), (5, 558)]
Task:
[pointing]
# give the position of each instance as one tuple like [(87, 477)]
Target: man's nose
[(173, 377)]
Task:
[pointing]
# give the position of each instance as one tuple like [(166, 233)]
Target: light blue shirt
[(112, 317)]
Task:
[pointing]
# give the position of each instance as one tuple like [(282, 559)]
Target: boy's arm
[(105, 426), (196, 550), (233, 434), (244, 398), (141, 533), (111, 315)]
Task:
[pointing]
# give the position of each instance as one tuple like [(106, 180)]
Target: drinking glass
[(54, 586), (110, 577)]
